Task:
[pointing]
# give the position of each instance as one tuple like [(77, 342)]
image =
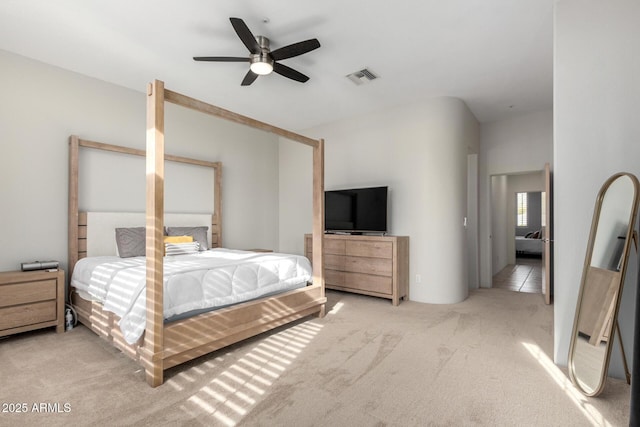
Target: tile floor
[(524, 276)]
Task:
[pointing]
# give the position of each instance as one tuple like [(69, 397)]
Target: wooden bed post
[(217, 197), (73, 204), (153, 339), (318, 217)]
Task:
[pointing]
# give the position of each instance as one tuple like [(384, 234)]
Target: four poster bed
[(141, 329)]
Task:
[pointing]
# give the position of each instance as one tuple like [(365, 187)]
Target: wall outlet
[(418, 278)]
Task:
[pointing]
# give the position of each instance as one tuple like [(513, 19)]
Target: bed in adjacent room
[(168, 292), (531, 244)]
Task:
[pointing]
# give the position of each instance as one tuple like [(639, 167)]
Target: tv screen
[(356, 210)]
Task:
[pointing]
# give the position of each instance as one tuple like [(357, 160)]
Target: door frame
[(491, 232)]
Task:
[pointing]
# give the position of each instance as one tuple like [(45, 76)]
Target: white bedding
[(524, 244), (209, 279)]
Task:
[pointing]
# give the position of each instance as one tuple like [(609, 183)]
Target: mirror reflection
[(601, 285)]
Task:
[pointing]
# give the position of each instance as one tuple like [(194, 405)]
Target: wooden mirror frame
[(618, 278)]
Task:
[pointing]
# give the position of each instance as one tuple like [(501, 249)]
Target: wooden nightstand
[(31, 300)]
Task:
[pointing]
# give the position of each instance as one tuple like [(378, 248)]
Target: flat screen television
[(356, 210)]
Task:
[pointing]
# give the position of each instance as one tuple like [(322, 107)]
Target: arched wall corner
[(452, 134), (420, 152)]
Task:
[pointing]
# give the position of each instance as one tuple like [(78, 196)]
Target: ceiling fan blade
[(220, 58), (295, 49), (245, 35), (290, 73), (249, 78)]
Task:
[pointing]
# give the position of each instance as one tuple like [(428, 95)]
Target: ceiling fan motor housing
[(262, 63)]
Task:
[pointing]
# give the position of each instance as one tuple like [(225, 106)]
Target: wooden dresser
[(31, 300), (369, 265)]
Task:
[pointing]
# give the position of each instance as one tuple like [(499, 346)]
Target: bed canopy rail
[(78, 220), (166, 345), (157, 95)]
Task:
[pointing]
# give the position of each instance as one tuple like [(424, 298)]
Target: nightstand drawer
[(28, 314), (23, 293), (31, 300)]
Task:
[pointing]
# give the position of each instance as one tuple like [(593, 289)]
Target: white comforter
[(209, 279), (524, 244)]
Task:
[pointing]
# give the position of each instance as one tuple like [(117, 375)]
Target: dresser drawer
[(367, 282), (334, 277), (358, 282), (377, 266), (370, 249), (333, 246), (334, 262), (23, 293), (27, 314)]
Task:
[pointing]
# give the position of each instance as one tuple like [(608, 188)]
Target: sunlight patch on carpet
[(336, 308), (226, 399), (591, 413)]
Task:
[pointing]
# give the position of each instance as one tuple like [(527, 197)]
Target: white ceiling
[(496, 55)]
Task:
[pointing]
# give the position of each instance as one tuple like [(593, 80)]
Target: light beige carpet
[(486, 361)]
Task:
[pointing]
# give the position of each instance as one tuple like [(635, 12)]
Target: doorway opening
[(518, 224)]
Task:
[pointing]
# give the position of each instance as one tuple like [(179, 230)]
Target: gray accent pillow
[(199, 234), (131, 241)]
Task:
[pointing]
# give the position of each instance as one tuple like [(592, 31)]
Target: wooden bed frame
[(166, 345)]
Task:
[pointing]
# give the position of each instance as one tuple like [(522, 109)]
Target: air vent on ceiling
[(362, 76)]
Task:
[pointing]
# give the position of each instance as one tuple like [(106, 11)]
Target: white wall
[(596, 133), (472, 220), (499, 221), (420, 152), (296, 197), (42, 105), (512, 146)]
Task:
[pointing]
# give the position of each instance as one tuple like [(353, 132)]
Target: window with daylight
[(521, 209)]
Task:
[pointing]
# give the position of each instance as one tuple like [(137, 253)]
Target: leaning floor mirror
[(610, 239)]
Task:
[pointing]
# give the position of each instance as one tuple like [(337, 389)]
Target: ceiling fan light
[(261, 68)]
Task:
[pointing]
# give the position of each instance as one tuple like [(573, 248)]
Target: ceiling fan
[(263, 61)]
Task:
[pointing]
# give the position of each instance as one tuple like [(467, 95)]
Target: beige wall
[(42, 105), (420, 152)]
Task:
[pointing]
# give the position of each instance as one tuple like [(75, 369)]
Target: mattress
[(197, 282)]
